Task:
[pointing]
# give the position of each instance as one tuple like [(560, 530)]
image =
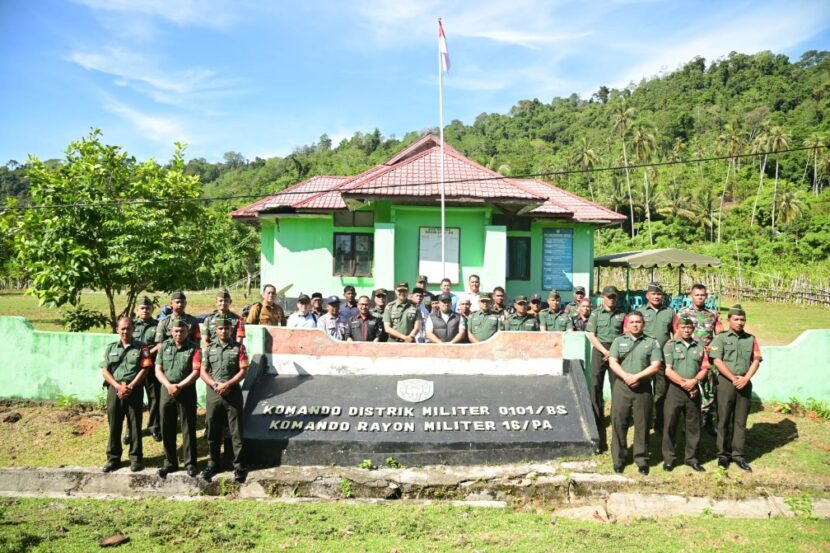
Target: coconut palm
[(778, 140), (816, 143), (623, 117), (759, 146), (587, 159), (730, 143), (703, 204), (790, 205), (643, 141)]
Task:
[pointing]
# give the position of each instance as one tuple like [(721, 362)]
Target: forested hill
[(737, 105)]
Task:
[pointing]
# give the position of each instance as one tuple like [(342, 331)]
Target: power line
[(563, 172)]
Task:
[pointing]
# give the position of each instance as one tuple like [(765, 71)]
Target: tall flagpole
[(441, 138)]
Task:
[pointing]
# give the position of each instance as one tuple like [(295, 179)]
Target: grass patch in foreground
[(160, 525)]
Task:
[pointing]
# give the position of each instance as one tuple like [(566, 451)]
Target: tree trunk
[(722, 195), (648, 209), (760, 187), (111, 301), (628, 185), (774, 196)]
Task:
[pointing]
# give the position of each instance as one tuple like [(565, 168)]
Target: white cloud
[(165, 130), (214, 14)]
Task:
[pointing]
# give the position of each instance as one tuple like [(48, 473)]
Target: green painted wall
[(583, 259)]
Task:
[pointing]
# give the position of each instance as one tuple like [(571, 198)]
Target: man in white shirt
[(474, 283), (303, 317), (330, 323)]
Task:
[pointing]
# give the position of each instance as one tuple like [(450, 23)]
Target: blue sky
[(263, 78)]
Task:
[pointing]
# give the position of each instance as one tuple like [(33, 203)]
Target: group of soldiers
[(661, 362), (658, 362), (164, 359)]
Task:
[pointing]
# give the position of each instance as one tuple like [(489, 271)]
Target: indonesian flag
[(442, 48)]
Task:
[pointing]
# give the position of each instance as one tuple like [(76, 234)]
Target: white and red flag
[(442, 48)]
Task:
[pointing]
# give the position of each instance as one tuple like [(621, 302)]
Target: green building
[(384, 226)]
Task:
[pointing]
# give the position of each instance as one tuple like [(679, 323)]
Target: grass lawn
[(160, 525)]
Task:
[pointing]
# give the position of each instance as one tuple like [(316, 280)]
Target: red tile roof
[(414, 175)]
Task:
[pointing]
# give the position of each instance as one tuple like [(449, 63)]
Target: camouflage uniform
[(707, 324)]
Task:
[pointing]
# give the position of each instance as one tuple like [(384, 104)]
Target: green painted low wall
[(44, 365)]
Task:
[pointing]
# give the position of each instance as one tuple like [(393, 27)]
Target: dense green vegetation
[(771, 207)]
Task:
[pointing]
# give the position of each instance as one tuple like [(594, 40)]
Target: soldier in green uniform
[(223, 309), (379, 299), (553, 318), (521, 319), (634, 358), (603, 326), (707, 325), (402, 319), (144, 330), (124, 366), (573, 305), (224, 367), (683, 357), (178, 301), (482, 324), (659, 323), (736, 355), (178, 363)]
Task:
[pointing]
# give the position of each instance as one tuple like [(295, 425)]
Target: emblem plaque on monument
[(312, 401)]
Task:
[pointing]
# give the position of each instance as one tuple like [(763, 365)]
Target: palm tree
[(778, 140), (623, 116), (790, 205), (587, 159), (730, 142), (643, 141), (759, 146), (816, 143), (675, 202), (703, 203)]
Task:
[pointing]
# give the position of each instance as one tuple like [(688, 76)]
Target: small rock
[(11, 417), (114, 540)]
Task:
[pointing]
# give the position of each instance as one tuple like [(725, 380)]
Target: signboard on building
[(557, 258), (429, 253)]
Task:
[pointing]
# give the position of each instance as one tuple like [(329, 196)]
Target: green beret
[(685, 320), (178, 295), (554, 294), (380, 292), (610, 291), (224, 294), (146, 301), (520, 299), (485, 296), (737, 310), (222, 321), (654, 287), (402, 286), (179, 323)]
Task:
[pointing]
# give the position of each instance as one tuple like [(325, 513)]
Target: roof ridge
[(575, 196), (414, 146)]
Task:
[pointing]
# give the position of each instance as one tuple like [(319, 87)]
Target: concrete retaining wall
[(44, 365)]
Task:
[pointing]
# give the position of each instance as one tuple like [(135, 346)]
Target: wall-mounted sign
[(429, 253), (557, 259)]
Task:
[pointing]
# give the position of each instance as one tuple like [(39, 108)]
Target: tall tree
[(643, 141), (623, 116), (759, 146), (815, 142), (778, 140), (587, 159), (730, 143)]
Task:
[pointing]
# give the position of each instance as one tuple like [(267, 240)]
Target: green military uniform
[(165, 326), (606, 325), (237, 325), (634, 355), (145, 332), (177, 363), (402, 316), (686, 359), (483, 324), (378, 313), (737, 351), (577, 323), (223, 362), (124, 363), (554, 321), (526, 322), (706, 324), (658, 323)]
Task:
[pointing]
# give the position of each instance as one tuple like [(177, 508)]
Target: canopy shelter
[(650, 259)]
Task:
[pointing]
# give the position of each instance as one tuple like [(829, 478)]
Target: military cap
[(418, 290), (737, 310), (178, 295), (402, 286), (446, 296), (655, 287), (303, 299), (554, 294), (685, 320), (485, 296), (579, 290), (146, 301), (317, 295), (520, 299), (536, 297), (380, 292), (223, 294), (422, 278), (179, 323), (222, 321), (348, 288), (332, 299), (610, 291)]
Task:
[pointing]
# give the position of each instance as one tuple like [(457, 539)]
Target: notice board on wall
[(557, 258), (429, 253)]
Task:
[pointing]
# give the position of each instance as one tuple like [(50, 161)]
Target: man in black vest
[(445, 326)]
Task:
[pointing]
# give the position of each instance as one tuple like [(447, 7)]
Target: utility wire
[(145, 201)]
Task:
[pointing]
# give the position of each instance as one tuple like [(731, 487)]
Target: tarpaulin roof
[(666, 257)]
